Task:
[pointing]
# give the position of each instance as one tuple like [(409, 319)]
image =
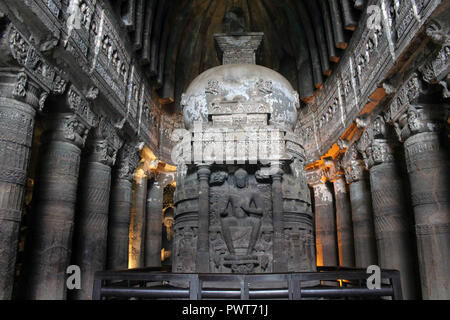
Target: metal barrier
[(343, 283)]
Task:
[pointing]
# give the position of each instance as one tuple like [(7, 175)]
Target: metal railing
[(328, 282)]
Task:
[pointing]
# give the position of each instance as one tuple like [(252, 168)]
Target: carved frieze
[(43, 73)]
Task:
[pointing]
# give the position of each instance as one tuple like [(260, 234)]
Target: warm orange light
[(319, 253)]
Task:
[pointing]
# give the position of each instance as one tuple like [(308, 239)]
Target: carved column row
[(55, 212), (424, 132), (392, 221)]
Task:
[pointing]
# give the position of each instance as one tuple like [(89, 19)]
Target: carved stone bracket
[(315, 176), (355, 168), (334, 170), (438, 67), (105, 143)]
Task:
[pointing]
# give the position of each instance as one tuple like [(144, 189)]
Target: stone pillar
[(361, 207), (18, 100), (280, 262), (92, 221), (324, 219), (343, 216), (427, 161), (153, 236), (137, 220), (53, 217), (202, 259), (392, 226), (119, 209)]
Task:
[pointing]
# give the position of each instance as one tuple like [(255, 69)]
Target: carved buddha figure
[(241, 217)]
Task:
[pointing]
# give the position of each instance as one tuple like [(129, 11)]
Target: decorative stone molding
[(25, 55)]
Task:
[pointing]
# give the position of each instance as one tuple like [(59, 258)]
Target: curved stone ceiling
[(174, 39)]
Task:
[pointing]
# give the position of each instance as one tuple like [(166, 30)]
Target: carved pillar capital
[(381, 151), (16, 84), (421, 118), (354, 166), (334, 170), (23, 54), (66, 127), (127, 161), (276, 171), (315, 177), (105, 144), (203, 172)]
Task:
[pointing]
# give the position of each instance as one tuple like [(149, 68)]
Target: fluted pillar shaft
[(119, 224), (153, 236), (363, 227), (280, 263), (325, 223), (18, 99), (53, 217), (92, 220), (394, 243), (361, 209), (119, 210), (427, 160), (137, 222), (202, 259), (344, 224)]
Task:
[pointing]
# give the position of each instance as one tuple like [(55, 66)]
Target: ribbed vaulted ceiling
[(174, 42)]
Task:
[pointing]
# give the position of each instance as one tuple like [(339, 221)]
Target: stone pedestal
[(18, 99), (153, 236), (92, 219), (325, 222), (53, 217), (392, 226), (344, 224)]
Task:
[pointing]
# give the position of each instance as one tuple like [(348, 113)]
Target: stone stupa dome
[(240, 93)]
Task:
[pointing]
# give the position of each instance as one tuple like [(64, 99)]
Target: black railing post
[(96, 294)]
